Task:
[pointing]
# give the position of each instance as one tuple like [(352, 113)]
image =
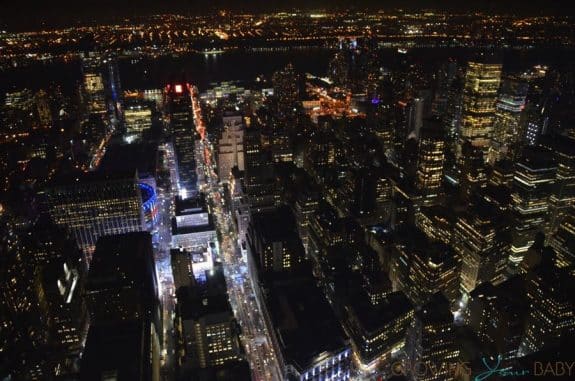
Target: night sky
[(25, 14)]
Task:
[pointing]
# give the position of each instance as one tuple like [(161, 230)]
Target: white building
[(231, 147)]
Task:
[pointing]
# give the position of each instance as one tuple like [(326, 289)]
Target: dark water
[(241, 65), (201, 70)]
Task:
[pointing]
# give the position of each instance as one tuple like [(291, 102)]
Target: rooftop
[(304, 321)]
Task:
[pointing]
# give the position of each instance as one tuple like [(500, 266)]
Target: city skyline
[(281, 193)]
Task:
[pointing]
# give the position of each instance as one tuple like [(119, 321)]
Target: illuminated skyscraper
[(479, 99), (436, 222), (137, 119), (473, 174), (94, 205), (552, 314), (43, 313), (420, 268), (507, 132), (181, 124), (43, 112), (532, 184), (433, 340), (286, 91), (497, 314), (482, 243), (101, 88), (563, 193), (430, 161), (563, 240), (435, 271), (339, 69)]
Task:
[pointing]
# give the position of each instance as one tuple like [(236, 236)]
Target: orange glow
[(179, 89)]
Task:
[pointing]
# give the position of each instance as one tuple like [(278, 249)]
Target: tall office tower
[(563, 193), (563, 240), (473, 172), (306, 204), (95, 204), (286, 91), (452, 119), (122, 283), (550, 293), (339, 69), (323, 150), (260, 181), (420, 268), (53, 252), (62, 286), (534, 179), (479, 98), (230, 151), (415, 116), (380, 119), (116, 102), (430, 161), (23, 309), (436, 271), (363, 192), (44, 320), (274, 242), (507, 131), (481, 240), (436, 222), (377, 332), (253, 149), (401, 120), (24, 319), (281, 147), (94, 86), (433, 341), (101, 89), (444, 78), (326, 230), (498, 315), (42, 108), (179, 106), (125, 316), (137, 119)]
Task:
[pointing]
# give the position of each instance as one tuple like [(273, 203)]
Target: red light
[(178, 89)]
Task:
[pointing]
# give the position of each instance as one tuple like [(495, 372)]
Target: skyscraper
[(479, 99), (94, 204), (421, 267), (122, 281), (433, 340), (430, 161), (286, 90), (550, 294), (498, 314), (274, 241), (125, 316), (563, 192), (230, 150), (137, 119), (482, 244), (507, 131), (179, 106), (563, 240), (533, 182)]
